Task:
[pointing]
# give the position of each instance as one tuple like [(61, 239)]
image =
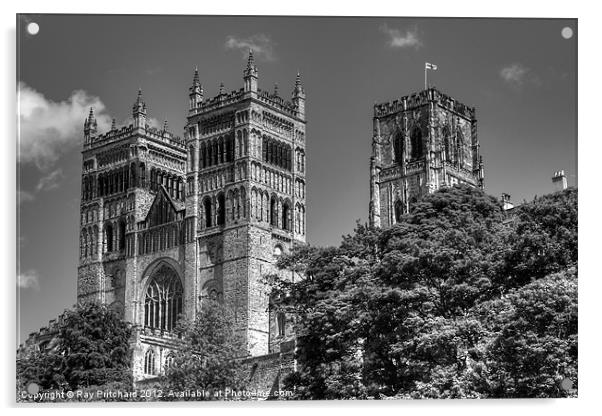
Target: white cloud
[(262, 46), (50, 181), (399, 39), (29, 280), (514, 74), (518, 75), (47, 128)]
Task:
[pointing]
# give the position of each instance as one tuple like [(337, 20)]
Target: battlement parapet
[(225, 100), (421, 98), (126, 132)]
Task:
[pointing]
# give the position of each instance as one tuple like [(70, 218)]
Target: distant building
[(420, 143)]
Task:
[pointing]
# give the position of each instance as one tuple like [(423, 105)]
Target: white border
[(590, 101)]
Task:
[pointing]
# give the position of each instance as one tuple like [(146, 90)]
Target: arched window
[(398, 210), (281, 319), (202, 155), (169, 360), (221, 209), (108, 238), (84, 243), (191, 158), (447, 144), (207, 206), (142, 175), (285, 216), (163, 301), (273, 211), (416, 142), (149, 362), (398, 147), (460, 148), (122, 235)]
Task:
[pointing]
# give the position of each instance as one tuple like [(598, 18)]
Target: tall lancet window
[(416, 143), (398, 147), (447, 144), (460, 149), (163, 302)]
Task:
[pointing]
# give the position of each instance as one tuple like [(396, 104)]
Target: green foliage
[(401, 312), (90, 347), (208, 356)]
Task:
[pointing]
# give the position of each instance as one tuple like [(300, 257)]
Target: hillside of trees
[(457, 300)]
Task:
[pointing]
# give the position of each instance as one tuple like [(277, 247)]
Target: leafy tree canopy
[(89, 347), (401, 311)]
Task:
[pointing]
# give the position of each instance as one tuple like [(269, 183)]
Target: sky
[(520, 74)]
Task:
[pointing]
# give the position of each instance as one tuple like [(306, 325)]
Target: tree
[(532, 342), (395, 312), (208, 357), (90, 347)]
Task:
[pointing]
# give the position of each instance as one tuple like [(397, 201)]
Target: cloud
[(29, 280), (399, 39), (47, 128), (518, 75), (50, 181), (262, 46), (24, 196)]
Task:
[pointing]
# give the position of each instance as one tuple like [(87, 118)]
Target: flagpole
[(425, 82)]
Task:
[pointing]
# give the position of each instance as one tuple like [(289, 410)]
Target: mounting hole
[(33, 28), (567, 32)]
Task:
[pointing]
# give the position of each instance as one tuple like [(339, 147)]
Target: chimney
[(506, 204), (559, 181)]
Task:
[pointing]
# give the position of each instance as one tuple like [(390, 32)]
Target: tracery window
[(149, 362), (163, 302)]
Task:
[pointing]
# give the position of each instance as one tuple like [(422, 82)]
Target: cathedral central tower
[(420, 143)]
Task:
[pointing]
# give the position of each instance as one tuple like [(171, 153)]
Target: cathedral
[(169, 222), (420, 143)]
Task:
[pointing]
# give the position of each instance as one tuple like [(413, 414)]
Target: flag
[(430, 66)]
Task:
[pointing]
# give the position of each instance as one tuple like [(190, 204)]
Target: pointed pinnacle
[(165, 125), (113, 125), (195, 79), (251, 60), (221, 88)]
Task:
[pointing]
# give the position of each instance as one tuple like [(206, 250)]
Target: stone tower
[(168, 222), (245, 196), (420, 143), (132, 216)]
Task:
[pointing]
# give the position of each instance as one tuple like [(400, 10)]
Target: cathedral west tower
[(245, 196), (169, 222)]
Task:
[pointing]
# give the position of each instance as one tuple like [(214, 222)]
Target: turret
[(299, 97), (196, 91), (559, 181), (139, 111), (250, 74), (90, 126)]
